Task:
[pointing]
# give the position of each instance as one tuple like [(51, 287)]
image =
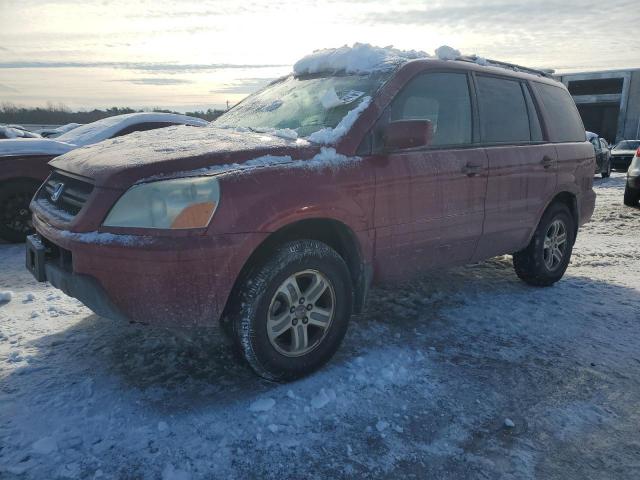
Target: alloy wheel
[(555, 244), (300, 313)]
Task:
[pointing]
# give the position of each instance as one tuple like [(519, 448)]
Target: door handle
[(471, 169), (546, 162)]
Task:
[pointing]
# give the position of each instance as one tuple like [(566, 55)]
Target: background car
[(632, 187), (23, 161), (56, 132), (16, 131), (603, 154), (622, 154)]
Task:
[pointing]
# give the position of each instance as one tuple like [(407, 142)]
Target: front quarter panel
[(267, 199)]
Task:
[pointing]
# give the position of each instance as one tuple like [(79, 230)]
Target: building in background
[(608, 101)]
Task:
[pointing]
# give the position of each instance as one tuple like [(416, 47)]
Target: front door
[(429, 205)]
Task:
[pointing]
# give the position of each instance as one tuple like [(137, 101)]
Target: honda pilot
[(277, 219)]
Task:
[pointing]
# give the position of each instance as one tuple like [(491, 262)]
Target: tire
[(263, 311), (631, 197), (15, 217), (607, 172), (532, 264)]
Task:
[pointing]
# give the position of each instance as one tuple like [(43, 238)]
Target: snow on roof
[(33, 146), (445, 52), (360, 58), (102, 129)]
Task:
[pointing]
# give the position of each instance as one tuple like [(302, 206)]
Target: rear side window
[(442, 98), (504, 112), (563, 121)]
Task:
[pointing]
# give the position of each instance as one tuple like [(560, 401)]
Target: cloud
[(170, 68), (507, 15), (7, 88), (243, 85), (154, 81)]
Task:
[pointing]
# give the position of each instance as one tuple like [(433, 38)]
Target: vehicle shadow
[(176, 370)]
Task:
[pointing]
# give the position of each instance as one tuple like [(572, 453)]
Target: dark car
[(622, 154), (23, 162), (603, 154), (279, 216), (632, 186)]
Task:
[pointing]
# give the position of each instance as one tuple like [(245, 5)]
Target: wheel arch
[(571, 201), (333, 232)]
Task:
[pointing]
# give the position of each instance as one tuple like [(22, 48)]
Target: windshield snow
[(305, 105)]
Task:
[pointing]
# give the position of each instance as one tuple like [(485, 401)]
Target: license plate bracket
[(35, 251)]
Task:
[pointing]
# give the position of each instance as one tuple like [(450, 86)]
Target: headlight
[(171, 204)]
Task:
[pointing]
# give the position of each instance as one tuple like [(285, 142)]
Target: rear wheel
[(292, 312), (606, 173), (547, 256), (15, 216), (631, 197)]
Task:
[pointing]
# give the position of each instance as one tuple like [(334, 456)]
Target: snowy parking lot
[(468, 373)]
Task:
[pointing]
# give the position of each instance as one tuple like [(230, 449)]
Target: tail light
[(638, 152)]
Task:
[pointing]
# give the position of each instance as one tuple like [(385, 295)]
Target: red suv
[(278, 218)]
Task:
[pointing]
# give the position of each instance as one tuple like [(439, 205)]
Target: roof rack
[(510, 66)]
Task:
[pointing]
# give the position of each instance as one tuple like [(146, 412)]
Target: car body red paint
[(404, 211)]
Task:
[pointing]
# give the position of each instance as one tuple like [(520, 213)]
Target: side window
[(442, 98), (504, 114), (141, 127), (534, 116), (564, 122)]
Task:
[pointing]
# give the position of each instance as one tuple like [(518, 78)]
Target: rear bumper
[(633, 182), (181, 281), (621, 163), (586, 206)]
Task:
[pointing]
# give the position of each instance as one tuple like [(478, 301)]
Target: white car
[(24, 161)]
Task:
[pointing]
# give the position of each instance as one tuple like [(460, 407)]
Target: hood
[(122, 161), (33, 146)]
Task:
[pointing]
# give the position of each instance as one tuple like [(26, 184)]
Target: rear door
[(522, 166), (429, 200)]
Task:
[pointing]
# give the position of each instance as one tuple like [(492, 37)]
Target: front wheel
[(293, 310), (606, 173), (547, 256), (15, 216)]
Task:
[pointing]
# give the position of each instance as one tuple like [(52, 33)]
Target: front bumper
[(168, 281)]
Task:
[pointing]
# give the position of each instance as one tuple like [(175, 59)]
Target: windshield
[(305, 105), (627, 145)]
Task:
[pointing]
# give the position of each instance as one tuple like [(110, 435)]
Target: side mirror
[(408, 134)]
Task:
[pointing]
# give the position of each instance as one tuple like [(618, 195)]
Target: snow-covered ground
[(468, 373)]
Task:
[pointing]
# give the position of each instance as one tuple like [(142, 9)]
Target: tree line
[(60, 114)]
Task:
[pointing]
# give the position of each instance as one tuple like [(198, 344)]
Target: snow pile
[(262, 405), (6, 296), (360, 58), (445, 52), (330, 136)]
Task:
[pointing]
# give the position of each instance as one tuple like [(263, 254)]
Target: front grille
[(73, 196)]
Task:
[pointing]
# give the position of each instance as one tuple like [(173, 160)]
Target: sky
[(187, 55)]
